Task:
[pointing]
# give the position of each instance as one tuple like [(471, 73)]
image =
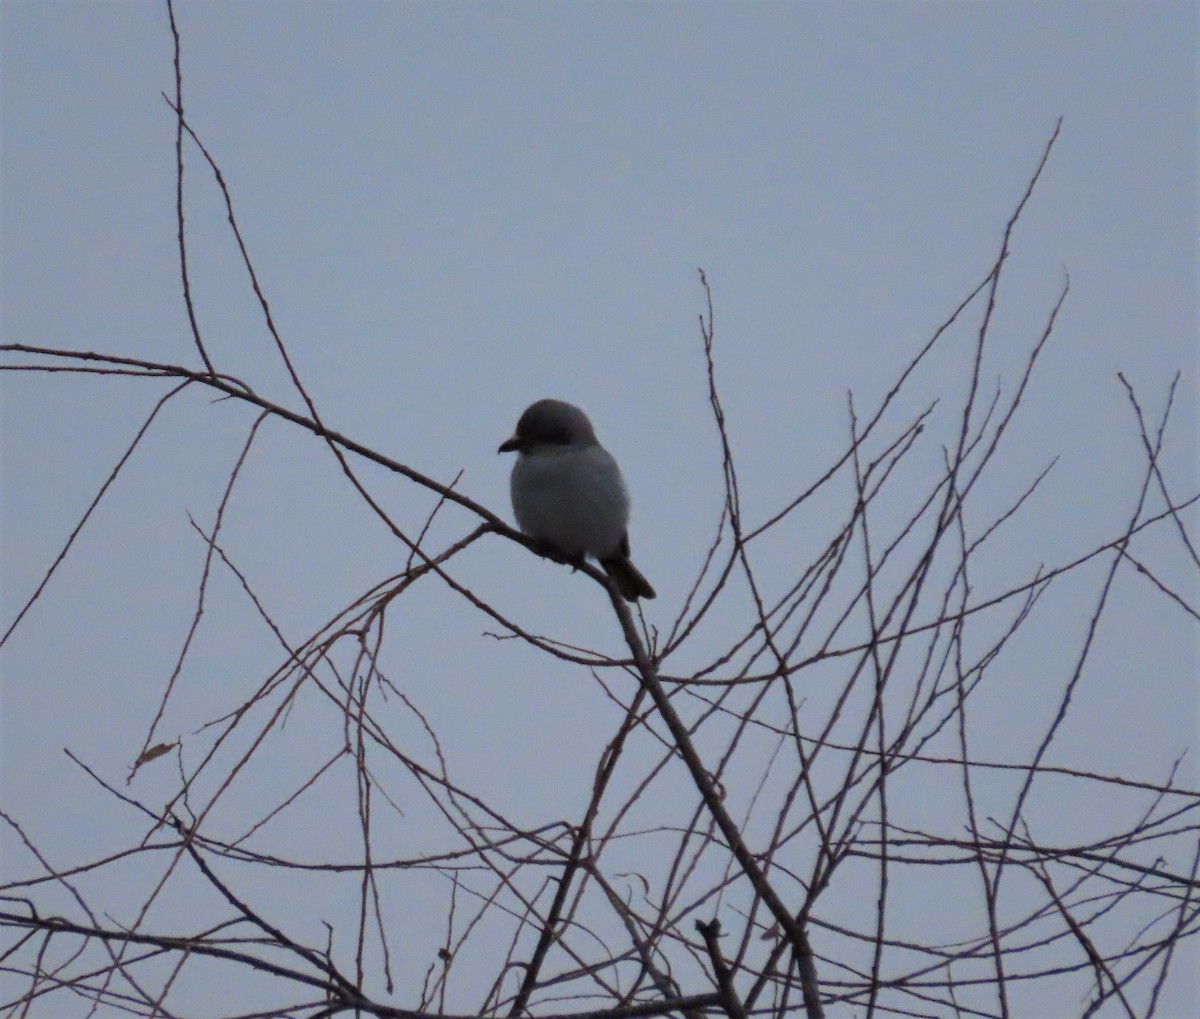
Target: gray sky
[(456, 209)]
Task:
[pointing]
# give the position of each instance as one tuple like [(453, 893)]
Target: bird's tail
[(629, 580)]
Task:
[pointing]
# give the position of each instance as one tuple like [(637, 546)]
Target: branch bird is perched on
[(567, 491)]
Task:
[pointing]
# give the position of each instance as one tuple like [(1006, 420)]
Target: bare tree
[(751, 840)]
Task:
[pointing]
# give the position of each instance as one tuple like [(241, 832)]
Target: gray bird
[(567, 491)]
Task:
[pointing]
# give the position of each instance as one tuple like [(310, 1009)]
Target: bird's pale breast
[(574, 498)]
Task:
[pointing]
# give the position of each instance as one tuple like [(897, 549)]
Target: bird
[(568, 492)]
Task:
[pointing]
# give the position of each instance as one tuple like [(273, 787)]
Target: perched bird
[(567, 492)]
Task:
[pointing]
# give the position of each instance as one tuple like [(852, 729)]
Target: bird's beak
[(509, 445)]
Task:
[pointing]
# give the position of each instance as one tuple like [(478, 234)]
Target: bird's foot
[(544, 548)]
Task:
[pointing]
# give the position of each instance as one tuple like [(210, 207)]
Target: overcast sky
[(456, 209)]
